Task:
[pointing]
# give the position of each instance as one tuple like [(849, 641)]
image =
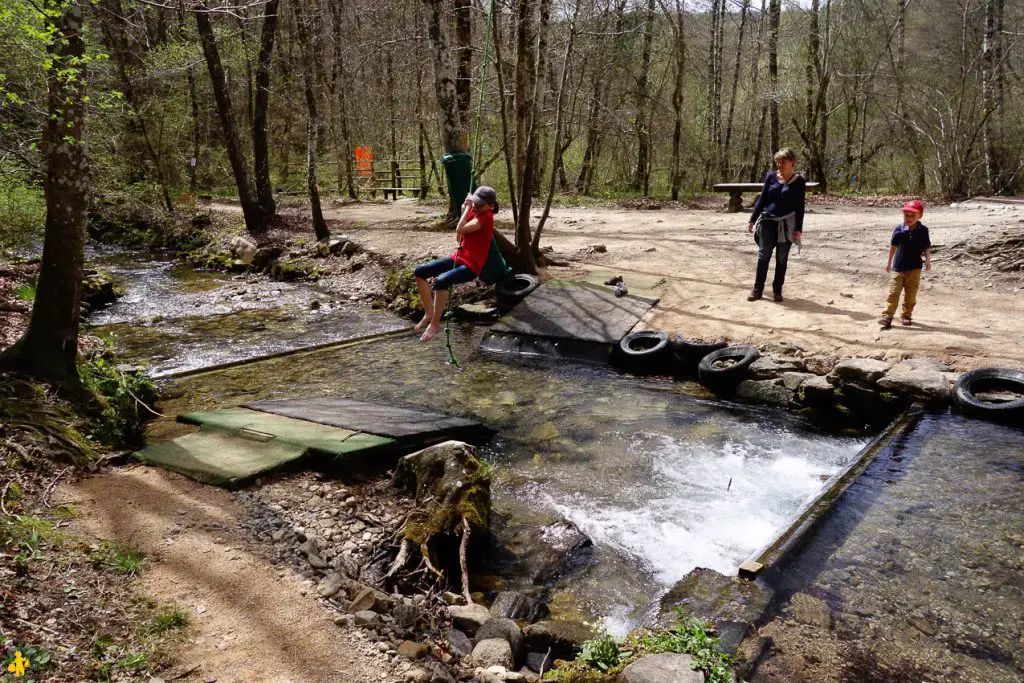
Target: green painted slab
[(581, 311), (637, 283), (220, 458)]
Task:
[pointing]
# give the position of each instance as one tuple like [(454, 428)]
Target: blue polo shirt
[(781, 199), (910, 247)]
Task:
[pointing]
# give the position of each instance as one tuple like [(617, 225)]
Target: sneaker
[(777, 296), (620, 290), (612, 281), (907, 321), (754, 295), (885, 322)]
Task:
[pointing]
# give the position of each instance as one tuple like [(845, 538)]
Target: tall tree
[(255, 217), (727, 143), (774, 12), (309, 70), (49, 348), (677, 20), (642, 178), (260, 147), (991, 89), (339, 83)]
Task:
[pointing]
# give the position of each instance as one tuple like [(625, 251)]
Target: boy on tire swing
[(908, 244)]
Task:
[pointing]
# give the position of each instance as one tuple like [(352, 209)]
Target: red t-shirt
[(474, 246)]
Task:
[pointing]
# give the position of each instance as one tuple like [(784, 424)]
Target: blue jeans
[(764, 257), (447, 273)]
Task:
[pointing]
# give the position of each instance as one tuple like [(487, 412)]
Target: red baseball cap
[(914, 205)]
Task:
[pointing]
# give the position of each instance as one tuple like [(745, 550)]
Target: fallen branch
[(48, 491), (3, 497)]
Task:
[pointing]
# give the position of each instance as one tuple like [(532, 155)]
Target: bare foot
[(423, 323), (429, 334)]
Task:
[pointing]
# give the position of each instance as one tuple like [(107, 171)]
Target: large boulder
[(242, 249), (767, 391), (515, 605), (469, 618), (793, 380), (264, 257), (540, 554), (772, 366), (865, 371), (921, 378), (662, 668), (493, 652), (501, 627), (817, 392), (564, 638), (731, 604)]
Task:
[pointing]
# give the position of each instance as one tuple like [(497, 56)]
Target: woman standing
[(777, 221)]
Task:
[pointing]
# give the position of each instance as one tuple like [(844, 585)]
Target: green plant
[(22, 213), (123, 399), (603, 653), (693, 637), (26, 293), (169, 620), (119, 559)]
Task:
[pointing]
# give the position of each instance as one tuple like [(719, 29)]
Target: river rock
[(565, 638), (497, 674), (731, 604), (767, 391), (476, 313), (865, 371), (365, 599), (793, 380), (501, 627), (540, 554), (459, 642), (242, 249), (98, 290), (661, 668), (493, 651), (412, 650), (469, 618), (923, 378), (406, 616), (538, 661), (817, 391), (808, 609), (330, 585), (366, 618), (515, 605), (265, 256), (772, 366), (309, 548)]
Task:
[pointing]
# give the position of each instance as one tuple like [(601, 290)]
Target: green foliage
[(25, 537), (41, 659), (22, 214), (692, 637), (122, 399), (603, 653), (400, 291), (169, 620), (133, 215), (26, 293), (118, 559)]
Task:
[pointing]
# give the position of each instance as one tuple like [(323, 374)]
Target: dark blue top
[(779, 199), (910, 247)]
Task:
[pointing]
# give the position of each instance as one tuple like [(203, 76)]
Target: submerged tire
[(514, 289), (975, 382), (726, 367), (688, 354), (644, 351)]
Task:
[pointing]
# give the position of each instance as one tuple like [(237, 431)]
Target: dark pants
[(764, 257), (446, 272)]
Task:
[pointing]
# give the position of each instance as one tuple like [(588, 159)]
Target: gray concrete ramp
[(568, 319)]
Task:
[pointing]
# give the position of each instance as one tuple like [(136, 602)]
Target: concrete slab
[(222, 458), (639, 284), (580, 311), (372, 418)]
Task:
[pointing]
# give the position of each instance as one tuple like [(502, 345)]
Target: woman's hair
[(785, 153)]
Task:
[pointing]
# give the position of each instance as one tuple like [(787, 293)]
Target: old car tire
[(974, 382), (714, 375)]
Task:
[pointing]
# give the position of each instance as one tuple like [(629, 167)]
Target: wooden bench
[(736, 191), (396, 176)]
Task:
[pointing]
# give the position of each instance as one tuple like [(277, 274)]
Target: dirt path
[(250, 620), (835, 289)]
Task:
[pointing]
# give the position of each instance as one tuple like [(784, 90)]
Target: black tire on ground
[(644, 351), (514, 289), (975, 382), (688, 354), (726, 367)]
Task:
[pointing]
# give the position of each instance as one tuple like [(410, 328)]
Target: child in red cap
[(909, 250)]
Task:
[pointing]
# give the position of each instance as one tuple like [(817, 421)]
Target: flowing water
[(174, 319)]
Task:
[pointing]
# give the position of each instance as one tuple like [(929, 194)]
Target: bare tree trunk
[(557, 146), (500, 69), (744, 9), (464, 62), (989, 67), (260, 148), (641, 177), (302, 29), (453, 137), (677, 21), (774, 10), (49, 348), (910, 136), (255, 219), (340, 81), (528, 65)]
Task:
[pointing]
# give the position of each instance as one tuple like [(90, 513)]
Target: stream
[(662, 480)]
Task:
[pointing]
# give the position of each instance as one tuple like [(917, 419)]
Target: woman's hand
[(797, 234), (750, 227)]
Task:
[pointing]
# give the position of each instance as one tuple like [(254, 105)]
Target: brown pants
[(906, 282)]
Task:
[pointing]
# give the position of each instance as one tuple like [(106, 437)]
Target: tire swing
[(725, 368), (644, 352), (991, 380)]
